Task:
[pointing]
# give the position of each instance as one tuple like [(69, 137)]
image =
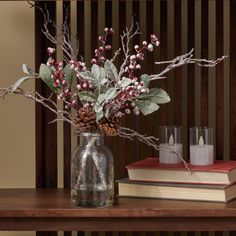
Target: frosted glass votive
[(171, 147), (201, 146)]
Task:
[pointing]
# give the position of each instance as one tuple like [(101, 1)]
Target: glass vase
[(92, 174)]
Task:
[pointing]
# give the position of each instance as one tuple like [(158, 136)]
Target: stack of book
[(148, 178)]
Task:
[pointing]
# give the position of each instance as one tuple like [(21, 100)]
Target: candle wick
[(171, 139), (201, 141)]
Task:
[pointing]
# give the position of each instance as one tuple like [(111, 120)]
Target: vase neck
[(91, 138)]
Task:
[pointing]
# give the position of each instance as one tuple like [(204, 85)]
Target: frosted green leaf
[(87, 75), (99, 116), (95, 71), (146, 107), (68, 75), (157, 95), (27, 70), (45, 75), (145, 79), (87, 96), (18, 83), (110, 70), (111, 93), (125, 82), (101, 98), (97, 107)]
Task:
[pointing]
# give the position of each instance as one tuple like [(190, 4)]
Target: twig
[(127, 35), (184, 60), (148, 140), (46, 102)]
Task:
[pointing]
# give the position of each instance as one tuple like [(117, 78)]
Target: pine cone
[(109, 126), (85, 120)]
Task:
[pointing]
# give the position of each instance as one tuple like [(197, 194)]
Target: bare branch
[(63, 30), (117, 52), (148, 140), (127, 35), (184, 60), (46, 102)]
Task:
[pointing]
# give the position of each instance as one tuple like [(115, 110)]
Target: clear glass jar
[(92, 174)]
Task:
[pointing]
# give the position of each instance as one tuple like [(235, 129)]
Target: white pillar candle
[(201, 154), (170, 153)]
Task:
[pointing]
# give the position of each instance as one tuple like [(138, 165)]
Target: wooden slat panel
[(197, 52), (67, 126), (163, 56), (226, 27), (190, 72), (46, 135), (81, 37), (170, 54), (204, 71), (191, 76), (184, 110), (136, 120), (177, 73), (232, 80), (151, 121)]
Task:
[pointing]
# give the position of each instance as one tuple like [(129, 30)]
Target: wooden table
[(51, 210)]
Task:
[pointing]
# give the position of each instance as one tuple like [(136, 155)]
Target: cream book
[(177, 191)]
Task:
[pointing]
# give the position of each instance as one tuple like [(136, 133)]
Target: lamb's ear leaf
[(110, 93), (110, 70), (157, 95), (68, 75), (27, 70), (125, 82), (45, 74), (99, 116), (95, 71), (19, 82), (87, 96), (145, 79), (146, 107)]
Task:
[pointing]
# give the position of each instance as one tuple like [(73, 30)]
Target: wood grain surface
[(51, 210)]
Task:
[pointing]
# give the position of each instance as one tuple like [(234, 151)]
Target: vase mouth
[(91, 133)]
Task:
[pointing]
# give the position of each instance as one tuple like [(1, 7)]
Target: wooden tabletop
[(51, 209)]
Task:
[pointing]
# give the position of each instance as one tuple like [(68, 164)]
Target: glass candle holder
[(201, 146), (170, 144)]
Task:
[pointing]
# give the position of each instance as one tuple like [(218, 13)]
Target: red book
[(222, 172)]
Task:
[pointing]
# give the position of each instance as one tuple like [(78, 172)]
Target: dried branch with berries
[(103, 93)]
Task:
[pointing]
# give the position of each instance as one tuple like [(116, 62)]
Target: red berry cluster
[(122, 104), (60, 83), (135, 59), (99, 52)]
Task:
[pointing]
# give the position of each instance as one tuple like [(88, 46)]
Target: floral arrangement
[(101, 94)]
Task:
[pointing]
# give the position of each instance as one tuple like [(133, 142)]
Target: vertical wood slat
[(163, 56), (177, 73), (226, 27), (151, 120), (219, 82), (232, 80), (170, 54), (143, 37), (46, 135), (190, 74), (156, 57), (136, 120), (197, 52), (204, 71), (81, 37), (67, 126)]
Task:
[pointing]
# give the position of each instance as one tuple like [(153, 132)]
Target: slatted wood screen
[(200, 96)]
